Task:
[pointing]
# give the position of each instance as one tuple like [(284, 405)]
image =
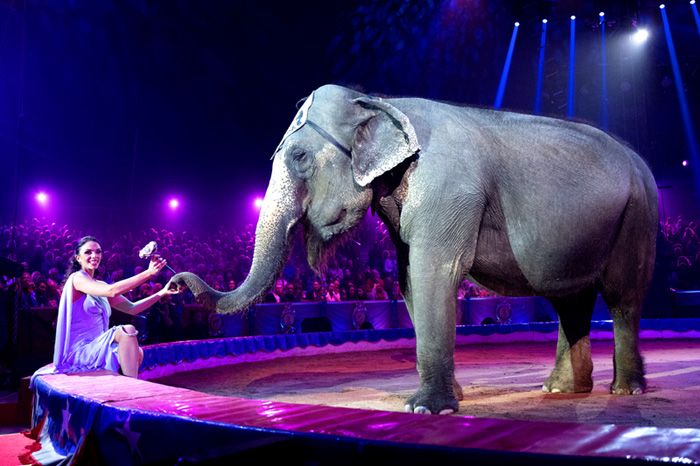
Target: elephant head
[(322, 170)]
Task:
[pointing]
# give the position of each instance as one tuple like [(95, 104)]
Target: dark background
[(112, 106)]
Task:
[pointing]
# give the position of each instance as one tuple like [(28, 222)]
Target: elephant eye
[(298, 155), (300, 161)]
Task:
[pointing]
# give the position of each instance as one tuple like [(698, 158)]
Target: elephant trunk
[(280, 212)]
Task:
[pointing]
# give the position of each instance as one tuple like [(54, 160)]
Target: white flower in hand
[(148, 250)]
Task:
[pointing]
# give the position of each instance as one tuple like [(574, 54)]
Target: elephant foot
[(432, 402), (632, 387), (629, 377), (556, 383)]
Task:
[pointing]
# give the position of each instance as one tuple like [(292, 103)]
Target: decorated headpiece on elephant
[(521, 204)]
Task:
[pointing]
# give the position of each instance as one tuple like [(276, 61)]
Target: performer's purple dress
[(84, 341)]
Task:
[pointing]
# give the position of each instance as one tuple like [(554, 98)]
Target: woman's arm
[(121, 303), (88, 285)]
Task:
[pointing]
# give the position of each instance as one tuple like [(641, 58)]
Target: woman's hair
[(73, 265)]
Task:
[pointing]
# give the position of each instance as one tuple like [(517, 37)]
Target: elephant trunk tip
[(203, 293)]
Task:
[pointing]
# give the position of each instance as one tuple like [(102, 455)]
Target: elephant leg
[(574, 365), (628, 364), (456, 387), (432, 299), (403, 270), (624, 286), (625, 304)]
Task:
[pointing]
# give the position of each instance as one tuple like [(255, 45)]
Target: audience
[(223, 258)]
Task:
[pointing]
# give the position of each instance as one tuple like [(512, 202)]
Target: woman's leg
[(129, 353)]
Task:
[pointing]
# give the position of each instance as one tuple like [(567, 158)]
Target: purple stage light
[(174, 203), (684, 163), (258, 202), (42, 198)]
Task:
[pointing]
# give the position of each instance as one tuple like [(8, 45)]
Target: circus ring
[(102, 418)]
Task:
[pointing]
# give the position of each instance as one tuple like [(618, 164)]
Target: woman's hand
[(170, 288), (156, 265)]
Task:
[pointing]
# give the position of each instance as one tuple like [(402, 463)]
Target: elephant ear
[(383, 139)]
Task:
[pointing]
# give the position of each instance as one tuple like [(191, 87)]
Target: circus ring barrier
[(103, 418)]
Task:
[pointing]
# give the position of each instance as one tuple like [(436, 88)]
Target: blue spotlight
[(572, 61), (685, 113), (694, 7), (662, 6), (540, 69), (603, 75), (506, 68)]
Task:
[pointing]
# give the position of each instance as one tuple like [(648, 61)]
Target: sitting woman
[(84, 340)]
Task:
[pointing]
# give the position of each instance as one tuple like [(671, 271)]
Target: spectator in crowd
[(351, 293), (315, 293), (333, 294), (360, 294), (27, 293), (45, 295), (378, 293), (165, 320), (275, 295), (396, 291), (290, 294), (197, 326)]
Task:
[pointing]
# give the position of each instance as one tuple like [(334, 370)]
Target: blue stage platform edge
[(102, 418)]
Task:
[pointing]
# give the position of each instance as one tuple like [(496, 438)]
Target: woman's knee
[(129, 330), (126, 335)]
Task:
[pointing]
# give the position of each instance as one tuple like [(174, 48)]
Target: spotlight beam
[(540, 69), (572, 61), (603, 76), (694, 7), (685, 112), (506, 68)]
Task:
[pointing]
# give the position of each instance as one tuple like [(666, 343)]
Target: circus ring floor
[(337, 398)]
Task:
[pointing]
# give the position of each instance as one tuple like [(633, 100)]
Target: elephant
[(524, 205)]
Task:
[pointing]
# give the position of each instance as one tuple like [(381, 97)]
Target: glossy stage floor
[(337, 398)]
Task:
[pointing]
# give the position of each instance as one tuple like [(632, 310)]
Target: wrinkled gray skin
[(524, 205)]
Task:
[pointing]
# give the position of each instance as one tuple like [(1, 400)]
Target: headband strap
[(301, 118), (329, 138)]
